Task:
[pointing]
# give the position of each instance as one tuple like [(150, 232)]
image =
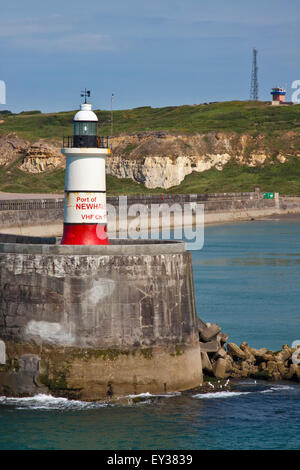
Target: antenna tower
[(254, 80)]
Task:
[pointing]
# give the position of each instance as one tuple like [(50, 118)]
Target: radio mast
[(254, 80)]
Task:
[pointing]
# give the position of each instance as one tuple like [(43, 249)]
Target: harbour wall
[(89, 322), (43, 217)]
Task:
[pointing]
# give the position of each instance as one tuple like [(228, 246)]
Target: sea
[(247, 279)]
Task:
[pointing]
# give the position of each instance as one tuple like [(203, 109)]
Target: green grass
[(236, 116), (283, 178), (230, 116), (16, 181), (277, 177)]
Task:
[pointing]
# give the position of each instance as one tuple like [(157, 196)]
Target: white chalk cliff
[(160, 159)]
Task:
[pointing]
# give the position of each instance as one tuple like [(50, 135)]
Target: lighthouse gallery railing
[(99, 141)]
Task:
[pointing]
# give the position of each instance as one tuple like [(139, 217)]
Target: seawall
[(44, 217), (91, 322)]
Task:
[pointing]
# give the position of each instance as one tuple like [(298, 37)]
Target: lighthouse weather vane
[(85, 94)]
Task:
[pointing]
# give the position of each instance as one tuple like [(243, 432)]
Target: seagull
[(211, 385)]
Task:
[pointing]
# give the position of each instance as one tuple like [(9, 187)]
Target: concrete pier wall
[(44, 217), (94, 320)]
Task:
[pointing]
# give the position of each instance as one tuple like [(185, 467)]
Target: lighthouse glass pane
[(85, 128)]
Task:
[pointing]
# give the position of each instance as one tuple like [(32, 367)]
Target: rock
[(42, 156), (11, 148), (210, 346), (223, 338), (249, 352), (163, 160), (236, 373), (263, 355), (220, 353), (206, 364), (206, 334), (219, 368), (292, 372), (282, 369), (235, 352), (251, 359), (271, 366), (248, 369), (283, 355), (272, 369), (259, 352), (246, 348), (269, 356), (229, 363)]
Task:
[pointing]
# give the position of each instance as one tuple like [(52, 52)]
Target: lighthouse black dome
[(85, 127)]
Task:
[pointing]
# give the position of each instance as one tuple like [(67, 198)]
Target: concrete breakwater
[(235, 362), (90, 322), (43, 217)]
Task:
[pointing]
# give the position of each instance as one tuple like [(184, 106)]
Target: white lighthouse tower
[(85, 215)]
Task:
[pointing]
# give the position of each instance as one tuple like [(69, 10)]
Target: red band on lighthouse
[(85, 234)]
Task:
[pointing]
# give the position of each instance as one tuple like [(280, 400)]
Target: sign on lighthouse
[(85, 213)]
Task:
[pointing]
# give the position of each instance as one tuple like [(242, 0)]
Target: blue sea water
[(247, 280)]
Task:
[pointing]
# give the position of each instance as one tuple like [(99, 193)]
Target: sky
[(148, 53)]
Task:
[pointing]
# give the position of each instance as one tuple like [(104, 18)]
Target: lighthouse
[(85, 213)]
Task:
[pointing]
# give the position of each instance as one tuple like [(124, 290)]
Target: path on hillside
[(10, 196)]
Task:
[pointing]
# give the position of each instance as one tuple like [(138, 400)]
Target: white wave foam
[(48, 402), (140, 395), (277, 388), (274, 388), (220, 394), (281, 387), (147, 395)]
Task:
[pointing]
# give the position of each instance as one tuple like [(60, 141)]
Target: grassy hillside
[(283, 178), (237, 116)]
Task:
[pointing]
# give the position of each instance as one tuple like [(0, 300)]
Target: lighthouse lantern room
[(85, 213)]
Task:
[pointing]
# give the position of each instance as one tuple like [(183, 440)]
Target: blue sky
[(156, 53)]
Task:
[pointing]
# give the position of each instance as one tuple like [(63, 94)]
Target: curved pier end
[(97, 321)]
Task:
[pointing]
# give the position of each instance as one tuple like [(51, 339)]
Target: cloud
[(28, 26), (52, 34), (80, 43), (84, 42)]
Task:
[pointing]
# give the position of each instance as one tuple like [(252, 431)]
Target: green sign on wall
[(269, 195)]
